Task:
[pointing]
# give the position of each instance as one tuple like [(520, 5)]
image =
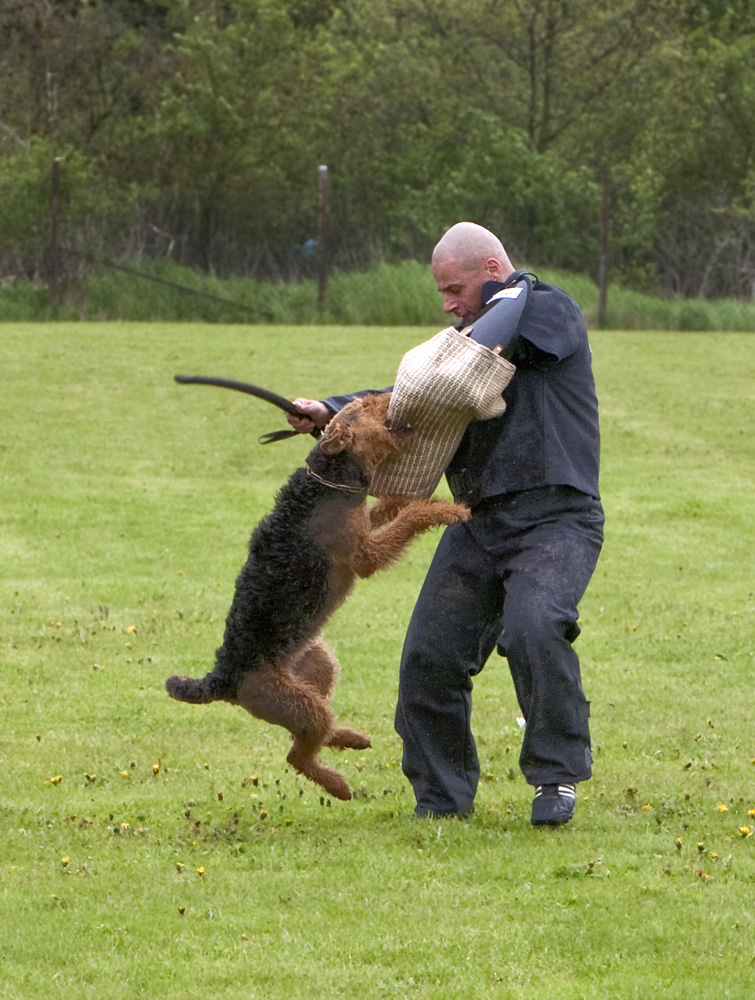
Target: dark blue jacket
[(549, 434)]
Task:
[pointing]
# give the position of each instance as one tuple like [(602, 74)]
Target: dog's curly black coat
[(284, 583)]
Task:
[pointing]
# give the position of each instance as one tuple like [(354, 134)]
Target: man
[(510, 577)]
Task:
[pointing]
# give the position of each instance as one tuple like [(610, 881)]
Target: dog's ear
[(339, 433), (334, 443)]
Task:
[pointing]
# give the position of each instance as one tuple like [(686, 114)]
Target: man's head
[(465, 258)]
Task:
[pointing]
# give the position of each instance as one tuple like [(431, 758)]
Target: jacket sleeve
[(336, 403)]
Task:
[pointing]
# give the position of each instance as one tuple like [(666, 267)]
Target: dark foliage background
[(193, 130)]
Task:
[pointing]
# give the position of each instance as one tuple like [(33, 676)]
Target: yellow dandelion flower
[(700, 846), (714, 855), (131, 629), (64, 861), (56, 780), (751, 812), (124, 774), (744, 831), (125, 826), (263, 814), (647, 808), (180, 865), (722, 808), (200, 870), (156, 768)]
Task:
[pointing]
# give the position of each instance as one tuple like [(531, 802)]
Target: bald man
[(511, 577)]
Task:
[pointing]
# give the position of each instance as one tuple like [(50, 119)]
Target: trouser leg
[(544, 582), (451, 633)]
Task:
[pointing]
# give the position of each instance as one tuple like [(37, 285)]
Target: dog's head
[(361, 428)]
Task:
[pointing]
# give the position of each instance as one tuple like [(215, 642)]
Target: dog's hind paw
[(348, 739), (333, 783)]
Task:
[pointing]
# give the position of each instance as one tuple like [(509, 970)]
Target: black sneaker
[(553, 805)]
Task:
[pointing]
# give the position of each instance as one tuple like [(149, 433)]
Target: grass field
[(166, 851)]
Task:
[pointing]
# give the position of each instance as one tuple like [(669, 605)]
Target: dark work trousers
[(511, 576)]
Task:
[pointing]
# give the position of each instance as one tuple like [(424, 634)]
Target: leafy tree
[(198, 125), (94, 207)]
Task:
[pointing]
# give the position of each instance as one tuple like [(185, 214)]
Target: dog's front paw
[(451, 513)]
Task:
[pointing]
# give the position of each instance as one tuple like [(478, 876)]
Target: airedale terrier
[(303, 560)]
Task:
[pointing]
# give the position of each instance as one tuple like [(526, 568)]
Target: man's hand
[(317, 415)]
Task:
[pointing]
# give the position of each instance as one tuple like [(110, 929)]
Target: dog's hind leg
[(317, 663), (302, 756), (278, 695)]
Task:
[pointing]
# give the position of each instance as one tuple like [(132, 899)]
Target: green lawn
[(167, 851)]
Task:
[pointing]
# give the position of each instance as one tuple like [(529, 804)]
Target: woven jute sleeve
[(441, 385)]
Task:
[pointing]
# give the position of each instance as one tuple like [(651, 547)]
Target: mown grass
[(166, 851)]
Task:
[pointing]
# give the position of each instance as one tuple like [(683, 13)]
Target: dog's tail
[(197, 692)]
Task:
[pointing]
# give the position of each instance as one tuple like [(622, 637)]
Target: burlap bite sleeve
[(441, 385)]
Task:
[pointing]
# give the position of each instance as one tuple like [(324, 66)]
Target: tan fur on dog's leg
[(302, 757), (318, 665), (279, 696), (376, 550), (384, 510), (344, 738)]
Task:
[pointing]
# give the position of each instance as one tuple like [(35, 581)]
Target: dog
[(304, 558)]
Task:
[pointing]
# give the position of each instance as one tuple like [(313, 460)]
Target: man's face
[(461, 289)]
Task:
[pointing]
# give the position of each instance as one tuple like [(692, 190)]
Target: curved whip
[(251, 390)]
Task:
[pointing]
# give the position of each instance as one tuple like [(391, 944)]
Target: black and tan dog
[(303, 560)]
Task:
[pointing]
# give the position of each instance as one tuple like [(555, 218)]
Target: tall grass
[(389, 295)]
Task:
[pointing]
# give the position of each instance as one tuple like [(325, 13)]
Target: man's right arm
[(318, 412), (315, 414)]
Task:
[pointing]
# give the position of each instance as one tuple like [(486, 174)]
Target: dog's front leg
[(384, 510), (375, 550)]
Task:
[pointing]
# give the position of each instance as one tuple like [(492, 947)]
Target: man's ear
[(493, 269)]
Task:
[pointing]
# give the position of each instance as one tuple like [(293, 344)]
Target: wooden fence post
[(322, 235), (55, 270)]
